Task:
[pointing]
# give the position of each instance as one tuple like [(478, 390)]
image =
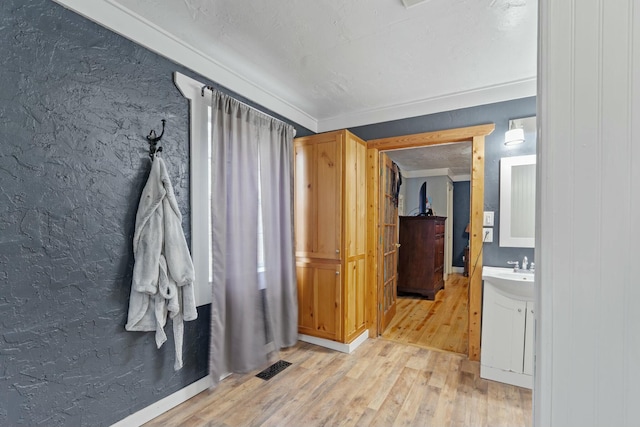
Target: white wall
[(436, 189), (588, 330)]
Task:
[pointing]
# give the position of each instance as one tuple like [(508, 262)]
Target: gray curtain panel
[(251, 154)]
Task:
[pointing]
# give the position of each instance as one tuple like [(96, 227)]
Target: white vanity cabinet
[(528, 341), (507, 338)]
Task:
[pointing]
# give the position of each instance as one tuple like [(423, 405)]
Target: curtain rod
[(211, 88)]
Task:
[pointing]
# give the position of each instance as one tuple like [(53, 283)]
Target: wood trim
[(431, 138), (373, 175), (475, 249), (476, 135)]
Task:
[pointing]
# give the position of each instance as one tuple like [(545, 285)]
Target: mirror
[(517, 201)]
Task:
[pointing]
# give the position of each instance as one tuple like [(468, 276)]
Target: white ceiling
[(331, 64), (453, 160)]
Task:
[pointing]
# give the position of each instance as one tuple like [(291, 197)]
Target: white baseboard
[(333, 345), (458, 270), (163, 405)]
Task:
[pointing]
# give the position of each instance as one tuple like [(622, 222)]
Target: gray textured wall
[(498, 113), (76, 102)]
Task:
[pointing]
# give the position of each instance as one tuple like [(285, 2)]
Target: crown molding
[(136, 28), (132, 26), (425, 173), (458, 178), (487, 95)]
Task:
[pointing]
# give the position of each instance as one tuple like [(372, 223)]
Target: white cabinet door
[(503, 327), (529, 333)]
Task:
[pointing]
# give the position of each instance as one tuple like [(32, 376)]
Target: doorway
[(474, 134), (427, 315)]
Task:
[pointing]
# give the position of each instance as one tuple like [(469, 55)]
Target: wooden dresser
[(421, 256)]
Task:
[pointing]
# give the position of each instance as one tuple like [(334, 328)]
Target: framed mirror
[(518, 201)]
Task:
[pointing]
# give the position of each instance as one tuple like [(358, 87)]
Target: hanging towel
[(163, 272)]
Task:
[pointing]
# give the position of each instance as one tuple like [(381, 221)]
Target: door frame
[(475, 134)]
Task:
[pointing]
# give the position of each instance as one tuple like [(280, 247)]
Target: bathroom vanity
[(506, 353)]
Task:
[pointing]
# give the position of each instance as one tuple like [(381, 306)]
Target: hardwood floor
[(382, 383), (438, 324)]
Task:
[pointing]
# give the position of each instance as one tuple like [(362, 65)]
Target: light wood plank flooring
[(382, 383), (439, 324)]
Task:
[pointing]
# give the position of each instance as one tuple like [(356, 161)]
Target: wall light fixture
[(518, 128)]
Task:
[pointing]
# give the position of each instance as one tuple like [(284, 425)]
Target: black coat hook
[(153, 141)]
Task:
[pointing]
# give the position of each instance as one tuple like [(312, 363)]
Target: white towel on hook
[(163, 272)]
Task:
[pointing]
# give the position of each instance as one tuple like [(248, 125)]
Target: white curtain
[(254, 311)]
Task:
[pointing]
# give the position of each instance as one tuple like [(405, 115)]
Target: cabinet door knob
[(337, 273), (337, 251), (519, 310)]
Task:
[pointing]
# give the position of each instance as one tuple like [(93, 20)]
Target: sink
[(512, 284)]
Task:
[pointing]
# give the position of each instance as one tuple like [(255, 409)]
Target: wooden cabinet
[(507, 338), (421, 255), (330, 226)]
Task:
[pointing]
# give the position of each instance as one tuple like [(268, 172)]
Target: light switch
[(487, 235), (487, 220)]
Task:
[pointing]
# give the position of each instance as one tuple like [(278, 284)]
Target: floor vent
[(272, 370)]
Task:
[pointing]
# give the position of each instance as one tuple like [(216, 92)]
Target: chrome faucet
[(516, 265), (525, 263)]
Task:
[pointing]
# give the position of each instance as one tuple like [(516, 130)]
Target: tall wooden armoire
[(331, 241)]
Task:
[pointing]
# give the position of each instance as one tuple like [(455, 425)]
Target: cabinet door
[(355, 293), (319, 299), (355, 237), (304, 198), (328, 198), (529, 334), (355, 196), (318, 196), (503, 323)]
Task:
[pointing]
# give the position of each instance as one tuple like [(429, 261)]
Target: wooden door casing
[(475, 134)]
